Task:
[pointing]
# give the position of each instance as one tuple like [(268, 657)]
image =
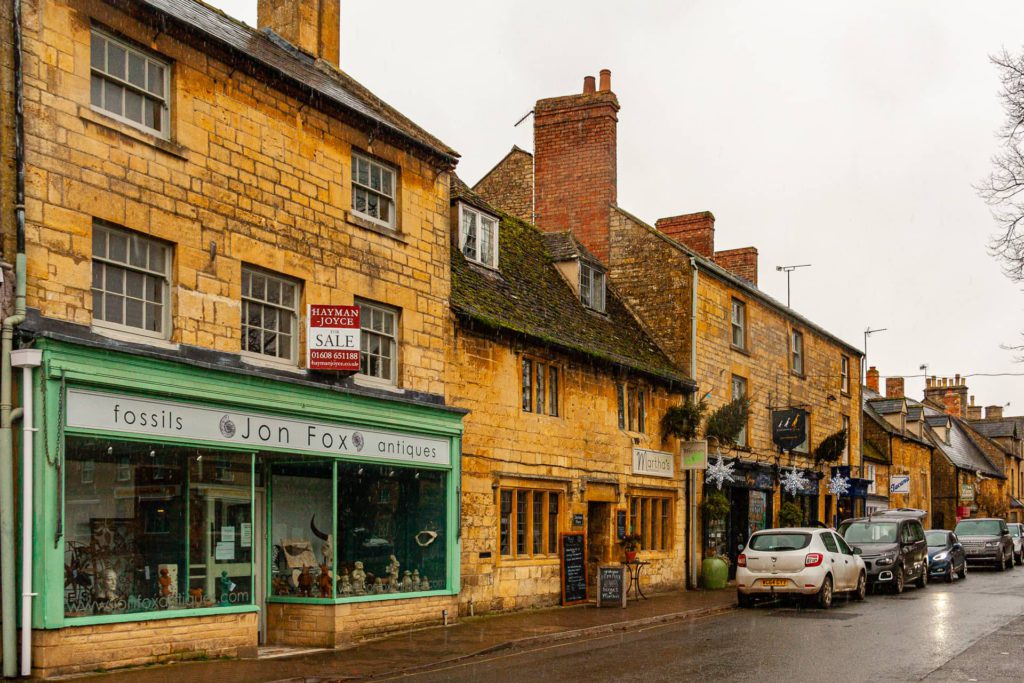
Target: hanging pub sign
[(332, 338), (789, 428)]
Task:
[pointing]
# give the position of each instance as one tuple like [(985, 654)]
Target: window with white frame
[(373, 190), (269, 315), (869, 474), (844, 374), (846, 446), (129, 84), (796, 348), (378, 341), (130, 280), (592, 286), (478, 236), (739, 324), (739, 390)]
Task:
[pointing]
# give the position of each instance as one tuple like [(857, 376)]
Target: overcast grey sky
[(845, 135)]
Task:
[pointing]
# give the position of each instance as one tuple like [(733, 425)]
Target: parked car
[(816, 563), (1017, 534), (986, 540), (893, 548), (945, 555)]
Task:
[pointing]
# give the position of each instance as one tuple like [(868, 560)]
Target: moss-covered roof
[(529, 297)]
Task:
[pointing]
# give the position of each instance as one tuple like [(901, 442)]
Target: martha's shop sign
[(154, 417), (653, 463)]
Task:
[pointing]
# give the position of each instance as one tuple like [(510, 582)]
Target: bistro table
[(634, 568)]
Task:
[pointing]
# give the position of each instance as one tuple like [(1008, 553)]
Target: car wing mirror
[(856, 551), (958, 546)]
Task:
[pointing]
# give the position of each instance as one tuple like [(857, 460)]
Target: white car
[(816, 563)]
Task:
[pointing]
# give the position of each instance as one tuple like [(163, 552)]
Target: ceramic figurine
[(165, 582), (280, 585), (416, 583), (378, 585), (226, 586), (424, 584), (306, 583), (195, 596), (393, 566), (324, 581), (346, 585), (358, 579), (406, 584), (106, 587)]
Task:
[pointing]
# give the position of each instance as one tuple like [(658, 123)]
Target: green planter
[(714, 573)]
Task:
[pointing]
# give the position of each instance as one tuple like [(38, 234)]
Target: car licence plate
[(774, 582)]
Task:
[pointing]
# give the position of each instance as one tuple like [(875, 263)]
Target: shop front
[(751, 508), (188, 512)]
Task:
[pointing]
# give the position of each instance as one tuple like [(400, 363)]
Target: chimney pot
[(957, 379), (993, 412), (894, 387), (606, 80), (589, 85), (872, 379), (972, 400)]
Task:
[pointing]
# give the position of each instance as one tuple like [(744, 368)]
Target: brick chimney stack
[(993, 412), (973, 411), (935, 390), (951, 401), (894, 387), (742, 262), (872, 378), (575, 163), (695, 230), (313, 26)]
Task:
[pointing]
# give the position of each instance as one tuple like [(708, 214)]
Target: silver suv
[(986, 540)]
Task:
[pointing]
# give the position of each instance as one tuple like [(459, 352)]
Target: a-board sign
[(611, 586), (620, 524), (573, 552)]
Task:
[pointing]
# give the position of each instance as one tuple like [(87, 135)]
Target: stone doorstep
[(530, 641)]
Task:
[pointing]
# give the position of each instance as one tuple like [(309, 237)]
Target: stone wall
[(80, 649), (509, 185), (913, 459)]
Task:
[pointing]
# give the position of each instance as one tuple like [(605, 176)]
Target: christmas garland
[(726, 423), (682, 421), (831, 447)]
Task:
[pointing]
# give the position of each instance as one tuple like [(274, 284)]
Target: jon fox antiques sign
[(110, 412)]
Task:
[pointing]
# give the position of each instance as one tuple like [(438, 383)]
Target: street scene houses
[(275, 376)]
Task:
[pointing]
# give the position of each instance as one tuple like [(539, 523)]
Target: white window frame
[(366, 309), (392, 223), (741, 438), (844, 374), (870, 474), (479, 217), (739, 324), (593, 289), (164, 97), (165, 276), (796, 351), (846, 446), (264, 303)]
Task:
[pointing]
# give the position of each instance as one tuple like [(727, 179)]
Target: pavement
[(429, 648)]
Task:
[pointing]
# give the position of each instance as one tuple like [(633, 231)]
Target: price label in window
[(332, 338)]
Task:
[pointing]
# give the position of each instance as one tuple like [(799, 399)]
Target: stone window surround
[(634, 517), (631, 399), (163, 133), (739, 326), (844, 375), (371, 380), (548, 491), (292, 360), (797, 355), (393, 225), (552, 400)]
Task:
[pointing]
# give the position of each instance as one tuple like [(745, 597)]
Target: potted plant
[(630, 545), (714, 567), (791, 515)]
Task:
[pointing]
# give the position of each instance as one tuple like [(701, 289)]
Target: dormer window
[(478, 236), (592, 286)]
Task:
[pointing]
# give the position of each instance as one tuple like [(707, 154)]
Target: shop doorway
[(738, 526), (259, 566), (599, 539)]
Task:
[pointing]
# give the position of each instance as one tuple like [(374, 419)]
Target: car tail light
[(741, 561), (813, 559)]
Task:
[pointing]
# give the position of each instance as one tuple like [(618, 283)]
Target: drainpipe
[(26, 359), (7, 414), (693, 376)]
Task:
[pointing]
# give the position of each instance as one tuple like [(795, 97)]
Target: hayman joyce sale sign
[(332, 338)]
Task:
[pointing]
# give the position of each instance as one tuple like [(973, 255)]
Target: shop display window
[(302, 529), (150, 527), (392, 529)]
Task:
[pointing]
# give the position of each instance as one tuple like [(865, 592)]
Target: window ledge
[(90, 115), (371, 383), (359, 221), (739, 349), (127, 335), (798, 374), (259, 361)]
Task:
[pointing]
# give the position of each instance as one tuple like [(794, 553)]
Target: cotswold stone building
[(565, 392), (703, 308), (192, 185)]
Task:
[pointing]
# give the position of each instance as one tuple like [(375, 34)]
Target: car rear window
[(1015, 530), (936, 539), (869, 532), (978, 527), (789, 541)]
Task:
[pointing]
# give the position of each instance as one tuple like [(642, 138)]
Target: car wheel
[(1002, 563), (1009, 561), (949, 574), (897, 581), (825, 593), (744, 601), (862, 588), (922, 581), (1019, 558), (963, 571)]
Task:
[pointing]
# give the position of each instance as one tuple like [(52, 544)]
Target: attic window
[(592, 286), (478, 236)]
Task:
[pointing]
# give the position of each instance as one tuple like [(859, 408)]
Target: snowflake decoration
[(719, 472), (839, 485), (794, 481)]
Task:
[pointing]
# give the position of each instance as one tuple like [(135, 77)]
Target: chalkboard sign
[(611, 586), (574, 568), (620, 524)]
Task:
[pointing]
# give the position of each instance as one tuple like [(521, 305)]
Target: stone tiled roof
[(291, 66), (961, 449), (529, 297), (884, 406), (914, 413), (870, 409), (564, 246), (996, 428)]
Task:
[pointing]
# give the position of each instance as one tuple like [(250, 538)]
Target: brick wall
[(694, 230), (504, 446), (509, 185), (262, 175), (741, 262), (575, 165), (109, 646)]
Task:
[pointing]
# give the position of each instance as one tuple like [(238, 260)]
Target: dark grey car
[(893, 548), (986, 540)]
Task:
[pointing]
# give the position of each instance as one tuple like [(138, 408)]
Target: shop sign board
[(611, 586), (332, 338), (966, 491), (694, 455), (574, 568), (789, 428), (87, 409), (899, 483), (653, 463), (620, 524)]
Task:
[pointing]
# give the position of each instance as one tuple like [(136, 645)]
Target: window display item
[(393, 566), (424, 584), (305, 583), (106, 594), (165, 582), (324, 581), (345, 585), (359, 578), (426, 537), (298, 554), (327, 548), (407, 581), (378, 586), (280, 585), (226, 586), (415, 580)]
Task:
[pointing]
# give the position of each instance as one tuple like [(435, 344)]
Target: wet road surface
[(967, 630)]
